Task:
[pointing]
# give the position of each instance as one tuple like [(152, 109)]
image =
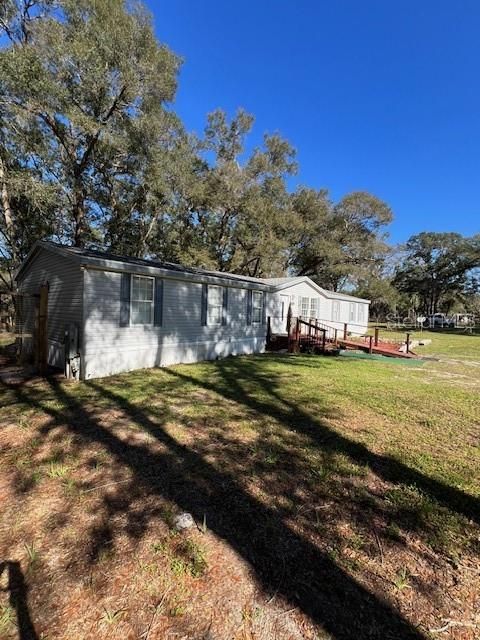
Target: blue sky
[(376, 95)]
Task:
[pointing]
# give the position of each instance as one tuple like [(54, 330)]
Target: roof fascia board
[(118, 266), (300, 280), (98, 264), (33, 251), (333, 295), (346, 297)]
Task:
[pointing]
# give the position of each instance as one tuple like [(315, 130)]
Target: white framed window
[(313, 307), (215, 305), (141, 300), (361, 313), (304, 308), (352, 312), (257, 307), (336, 310)]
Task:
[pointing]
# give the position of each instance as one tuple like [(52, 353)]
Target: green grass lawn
[(454, 342), (334, 497)]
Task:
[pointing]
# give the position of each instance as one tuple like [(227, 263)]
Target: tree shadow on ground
[(17, 589), (284, 562), (233, 384)]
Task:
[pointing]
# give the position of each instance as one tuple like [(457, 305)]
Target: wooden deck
[(383, 348), (320, 338)]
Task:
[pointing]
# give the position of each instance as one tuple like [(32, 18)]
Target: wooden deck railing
[(309, 334), (304, 333)]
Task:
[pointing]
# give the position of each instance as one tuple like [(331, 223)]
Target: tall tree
[(142, 211), (338, 244), (437, 265), (82, 81), (384, 297), (27, 206), (237, 211)]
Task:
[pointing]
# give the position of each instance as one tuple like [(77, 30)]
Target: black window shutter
[(158, 304), (204, 304), (125, 300), (264, 309), (225, 305), (249, 306)]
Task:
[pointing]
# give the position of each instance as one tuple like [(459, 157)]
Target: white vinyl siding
[(215, 305), (293, 304), (351, 314), (257, 307), (181, 337), (361, 313), (333, 309), (336, 310), (141, 301), (65, 298)]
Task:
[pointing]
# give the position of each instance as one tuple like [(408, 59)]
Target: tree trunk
[(144, 239), (7, 209), (9, 233), (79, 221)]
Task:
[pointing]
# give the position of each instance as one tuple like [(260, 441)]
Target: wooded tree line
[(92, 152)]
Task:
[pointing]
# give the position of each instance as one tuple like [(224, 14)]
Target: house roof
[(110, 261), (94, 258), (279, 281), (285, 283)]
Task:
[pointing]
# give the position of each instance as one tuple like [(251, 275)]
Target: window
[(142, 300), (304, 307), (352, 312), (257, 307), (336, 310), (313, 307), (361, 313), (215, 305)]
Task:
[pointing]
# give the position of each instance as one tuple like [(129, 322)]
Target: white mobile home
[(311, 302), (132, 313), (108, 313)]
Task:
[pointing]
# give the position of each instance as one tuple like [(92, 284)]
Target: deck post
[(324, 339), (408, 343), (297, 335), (269, 332), (377, 330), (345, 330), (370, 347), (336, 336)]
